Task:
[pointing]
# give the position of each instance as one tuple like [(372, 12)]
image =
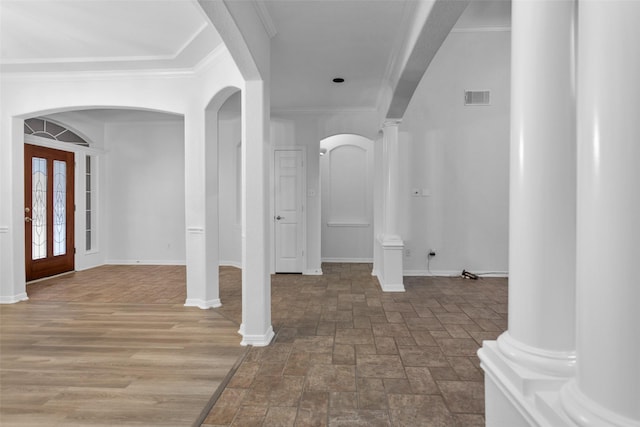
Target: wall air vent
[(477, 97)]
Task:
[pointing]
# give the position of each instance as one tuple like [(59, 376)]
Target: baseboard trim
[(349, 260), (200, 303), (144, 262), (391, 287), (257, 340), (235, 264), (14, 299), (453, 273)]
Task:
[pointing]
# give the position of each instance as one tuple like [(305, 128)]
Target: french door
[(49, 211)]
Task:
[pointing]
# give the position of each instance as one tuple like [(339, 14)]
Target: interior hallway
[(347, 354)]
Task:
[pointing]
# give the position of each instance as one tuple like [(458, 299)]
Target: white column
[(607, 388), (390, 242), (256, 282), (201, 216), (543, 185), (377, 205), (538, 350)]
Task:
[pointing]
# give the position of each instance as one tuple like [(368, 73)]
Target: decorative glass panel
[(38, 208), (59, 208), (88, 192)]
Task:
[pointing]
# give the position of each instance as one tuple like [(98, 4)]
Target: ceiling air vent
[(476, 97)]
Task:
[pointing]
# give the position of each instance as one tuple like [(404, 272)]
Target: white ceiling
[(92, 35), (315, 40), (318, 40)]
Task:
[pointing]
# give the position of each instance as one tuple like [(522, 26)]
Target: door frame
[(83, 259), (272, 209), (51, 264)]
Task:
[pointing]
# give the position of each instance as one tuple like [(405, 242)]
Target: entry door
[(288, 211), (48, 212)]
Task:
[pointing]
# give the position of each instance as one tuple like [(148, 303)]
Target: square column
[(256, 326), (201, 204), (389, 243)]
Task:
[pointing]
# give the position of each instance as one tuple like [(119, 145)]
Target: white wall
[(145, 193), (307, 129), (347, 198), (230, 181), (460, 155)]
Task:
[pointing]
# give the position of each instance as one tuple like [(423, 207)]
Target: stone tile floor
[(347, 354)]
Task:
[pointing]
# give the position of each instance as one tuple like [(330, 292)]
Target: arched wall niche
[(346, 169)]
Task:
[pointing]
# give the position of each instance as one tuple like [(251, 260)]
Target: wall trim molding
[(481, 30), (257, 340), (144, 262), (349, 260), (236, 264), (200, 303), (14, 299), (453, 273)]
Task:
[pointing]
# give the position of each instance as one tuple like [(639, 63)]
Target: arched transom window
[(47, 129)]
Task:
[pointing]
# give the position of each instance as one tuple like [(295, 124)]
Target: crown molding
[(265, 18), (326, 110), (481, 30)]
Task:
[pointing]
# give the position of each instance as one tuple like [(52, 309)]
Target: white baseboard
[(392, 287), (453, 273), (349, 260), (257, 340), (144, 262), (236, 264), (14, 299), (195, 302), (313, 272)]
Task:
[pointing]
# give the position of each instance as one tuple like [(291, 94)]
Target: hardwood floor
[(111, 346)]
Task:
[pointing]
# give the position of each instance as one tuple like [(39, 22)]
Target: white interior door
[(288, 205)]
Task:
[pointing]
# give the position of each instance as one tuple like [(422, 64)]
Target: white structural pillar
[(201, 204), (606, 391), (389, 241), (256, 326), (538, 350)]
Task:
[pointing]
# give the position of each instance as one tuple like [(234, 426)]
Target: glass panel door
[(49, 211)]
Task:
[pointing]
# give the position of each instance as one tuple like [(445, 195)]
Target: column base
[(262, 340), (14, 299), (554, 363), (390, 271), (584, 412), (200, 303), (516, 396)]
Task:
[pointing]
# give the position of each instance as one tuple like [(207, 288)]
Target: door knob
[(279, 217), (27, 219)]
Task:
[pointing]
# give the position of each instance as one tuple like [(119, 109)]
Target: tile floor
[(347, 354)]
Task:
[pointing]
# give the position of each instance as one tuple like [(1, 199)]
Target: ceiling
[(103, 35), (313, 42)]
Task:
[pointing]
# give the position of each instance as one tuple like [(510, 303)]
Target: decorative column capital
[(391, 122)]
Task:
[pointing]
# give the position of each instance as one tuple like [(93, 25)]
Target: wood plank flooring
[(111, 346)]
